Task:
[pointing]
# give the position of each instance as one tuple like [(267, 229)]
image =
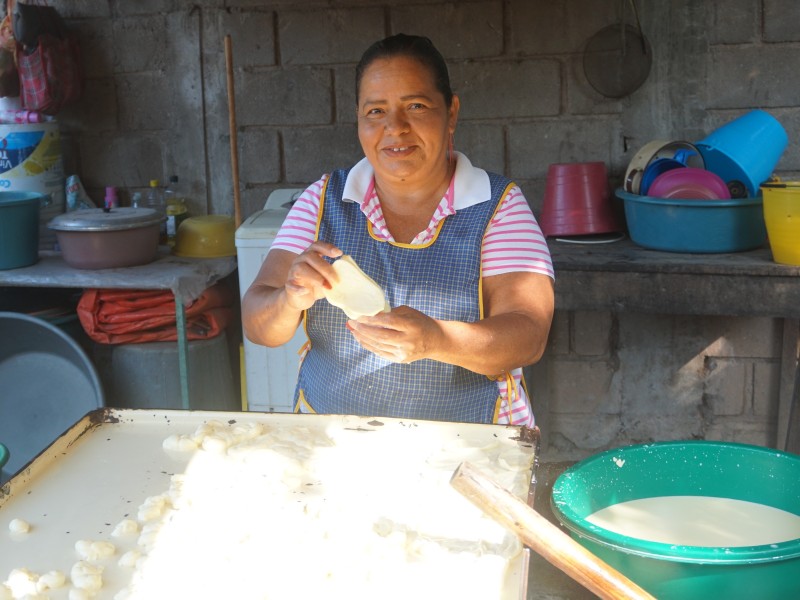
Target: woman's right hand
[(310, 274)]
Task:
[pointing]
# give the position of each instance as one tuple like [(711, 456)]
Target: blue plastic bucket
[(694, 226), (745, 151)]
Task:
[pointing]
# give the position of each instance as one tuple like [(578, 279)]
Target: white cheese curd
[(86, 576), (5, 592), (125, 528), (52, 580), (80, 594), (93, 551), (22, 582), (356, 293), (249, 485), (19, 526), (152, 508), (129, 559), (180, 443)]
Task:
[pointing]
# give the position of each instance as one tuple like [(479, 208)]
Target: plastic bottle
[(155, 200), (111, 200), (176, 209), (136, 200)]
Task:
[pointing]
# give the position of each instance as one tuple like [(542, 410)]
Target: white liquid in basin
[(699, 521)]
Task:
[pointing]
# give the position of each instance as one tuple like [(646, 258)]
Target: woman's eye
[(416, 106)]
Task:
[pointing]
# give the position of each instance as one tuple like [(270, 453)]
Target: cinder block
[(141, 101), (260, 156), (728, 387), (288, 97), (145, 33), (532, 147), (758, 432), (734, 22), (780, 20), (483, 144), (252, 37), (581, 387), (129, 160), (316, 37), (746, 76), (753, 337), (558, 342), (308, 151), (557, 27), (344, 81), (766, 388), (483, 86), (479, 26), (591, 333)]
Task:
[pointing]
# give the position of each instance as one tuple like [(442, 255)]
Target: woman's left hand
[(402, 335)]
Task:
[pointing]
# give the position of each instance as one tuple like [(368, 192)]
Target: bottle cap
[(154, 183)]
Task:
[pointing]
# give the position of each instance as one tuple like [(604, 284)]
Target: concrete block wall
[(156, 104)]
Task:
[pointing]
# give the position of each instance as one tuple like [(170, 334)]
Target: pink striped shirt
[(513, 241)]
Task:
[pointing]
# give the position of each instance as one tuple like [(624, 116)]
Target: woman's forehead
[(398, 72)]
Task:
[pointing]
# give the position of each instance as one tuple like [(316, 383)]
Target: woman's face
[(403, 121)]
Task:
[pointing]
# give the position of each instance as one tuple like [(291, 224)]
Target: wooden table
[(623, 277), (186, 278)]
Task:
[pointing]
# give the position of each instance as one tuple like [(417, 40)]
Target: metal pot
[(103, 238)]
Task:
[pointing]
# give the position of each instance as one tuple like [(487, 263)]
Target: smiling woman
[(457, 251)]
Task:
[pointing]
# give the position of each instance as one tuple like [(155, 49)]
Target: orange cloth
[(137, 316)]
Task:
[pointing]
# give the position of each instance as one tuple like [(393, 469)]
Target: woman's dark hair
[(417, 47)]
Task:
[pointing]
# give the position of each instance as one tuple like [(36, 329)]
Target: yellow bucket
[(782, 219)]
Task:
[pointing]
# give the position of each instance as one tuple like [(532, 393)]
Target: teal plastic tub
[(19, 229), (694, 226), (686, 468)]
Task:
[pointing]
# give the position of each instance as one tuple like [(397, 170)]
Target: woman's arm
[(519, 310), (285, 286)]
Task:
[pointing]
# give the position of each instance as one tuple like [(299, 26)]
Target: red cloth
[(137, 316)]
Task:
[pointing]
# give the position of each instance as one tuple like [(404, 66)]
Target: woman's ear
[(455, 105)]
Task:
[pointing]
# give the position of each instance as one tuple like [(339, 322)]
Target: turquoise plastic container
[(694, 226), (19, 228), (692, 468)]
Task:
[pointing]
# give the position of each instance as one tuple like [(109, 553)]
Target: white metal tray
[(102, 469)]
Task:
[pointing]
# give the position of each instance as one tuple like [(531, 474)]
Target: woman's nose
[(396, 121)]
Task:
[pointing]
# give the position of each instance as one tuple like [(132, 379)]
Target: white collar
[(471, 185)]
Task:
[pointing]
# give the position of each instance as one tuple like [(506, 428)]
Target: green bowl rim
[(671, 552), (702, 203)]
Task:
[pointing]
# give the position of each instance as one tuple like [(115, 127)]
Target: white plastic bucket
[(31, 161)]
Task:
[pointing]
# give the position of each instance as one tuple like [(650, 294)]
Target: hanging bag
[(9, 76), (48, 59)]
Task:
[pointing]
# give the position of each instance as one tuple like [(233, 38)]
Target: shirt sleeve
[(514, 241), (299, 229)]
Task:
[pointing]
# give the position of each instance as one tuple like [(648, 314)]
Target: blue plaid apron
[(441, 279)]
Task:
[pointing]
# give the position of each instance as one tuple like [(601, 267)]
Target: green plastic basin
[(686, 468)]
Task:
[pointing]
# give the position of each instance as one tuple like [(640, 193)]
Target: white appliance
[(270, 373)]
